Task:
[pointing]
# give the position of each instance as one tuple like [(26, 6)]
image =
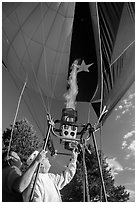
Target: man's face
[(45, 165), (15, 160)]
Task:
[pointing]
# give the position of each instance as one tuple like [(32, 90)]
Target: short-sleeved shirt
[(48, 185), (9, 174)]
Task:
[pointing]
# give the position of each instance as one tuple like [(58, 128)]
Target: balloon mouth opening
[(69, 115)]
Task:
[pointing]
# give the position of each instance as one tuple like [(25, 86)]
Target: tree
[(73, 192), (118, 194), (24, 140)]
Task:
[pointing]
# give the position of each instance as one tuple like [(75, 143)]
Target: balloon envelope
[(41, 41)]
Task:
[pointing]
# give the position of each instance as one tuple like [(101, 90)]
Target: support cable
[(99, 165), (32, 68), (102, 190), (34, 116), (38, 168), (86, 197), (17, 110)]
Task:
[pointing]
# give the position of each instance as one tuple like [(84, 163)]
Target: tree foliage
[(24, 140), (73, 192)]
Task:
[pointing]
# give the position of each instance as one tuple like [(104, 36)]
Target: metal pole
[(100, 170), (85, 178), (66, 154), (38, 168), (84, 185)]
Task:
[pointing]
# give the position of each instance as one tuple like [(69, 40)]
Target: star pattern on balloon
[(84, 67)]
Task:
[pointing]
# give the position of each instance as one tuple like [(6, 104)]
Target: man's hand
[(75, 153), (41, 155)]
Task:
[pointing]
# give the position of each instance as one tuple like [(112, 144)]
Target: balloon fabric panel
[(37, 43)]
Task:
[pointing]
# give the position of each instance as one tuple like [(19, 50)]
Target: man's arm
[(65, 177), (22, 182)]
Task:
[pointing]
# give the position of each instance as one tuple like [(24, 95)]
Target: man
[(48, 185), (13, 181)]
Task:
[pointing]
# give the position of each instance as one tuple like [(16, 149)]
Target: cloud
[(126, 105), (131, 196), (124, 144), (117, 117), (129, 169), (115, 166), (129, 134), (131, 150), (120, 107), (128, 144)]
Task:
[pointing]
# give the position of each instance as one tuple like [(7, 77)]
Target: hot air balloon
[(41, 40)]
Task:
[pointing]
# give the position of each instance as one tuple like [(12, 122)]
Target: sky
[(117, 138), (119, 141)]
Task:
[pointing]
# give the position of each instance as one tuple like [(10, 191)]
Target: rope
[(99, 165), (23, 65), (101, 158), (44, 43), (89, 112), (17, 110), (25, 101), (44, 55), (101, 106), (101, 68), (44, 105), (86, 197), (38, 167), (55, 81), (122, 53)]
